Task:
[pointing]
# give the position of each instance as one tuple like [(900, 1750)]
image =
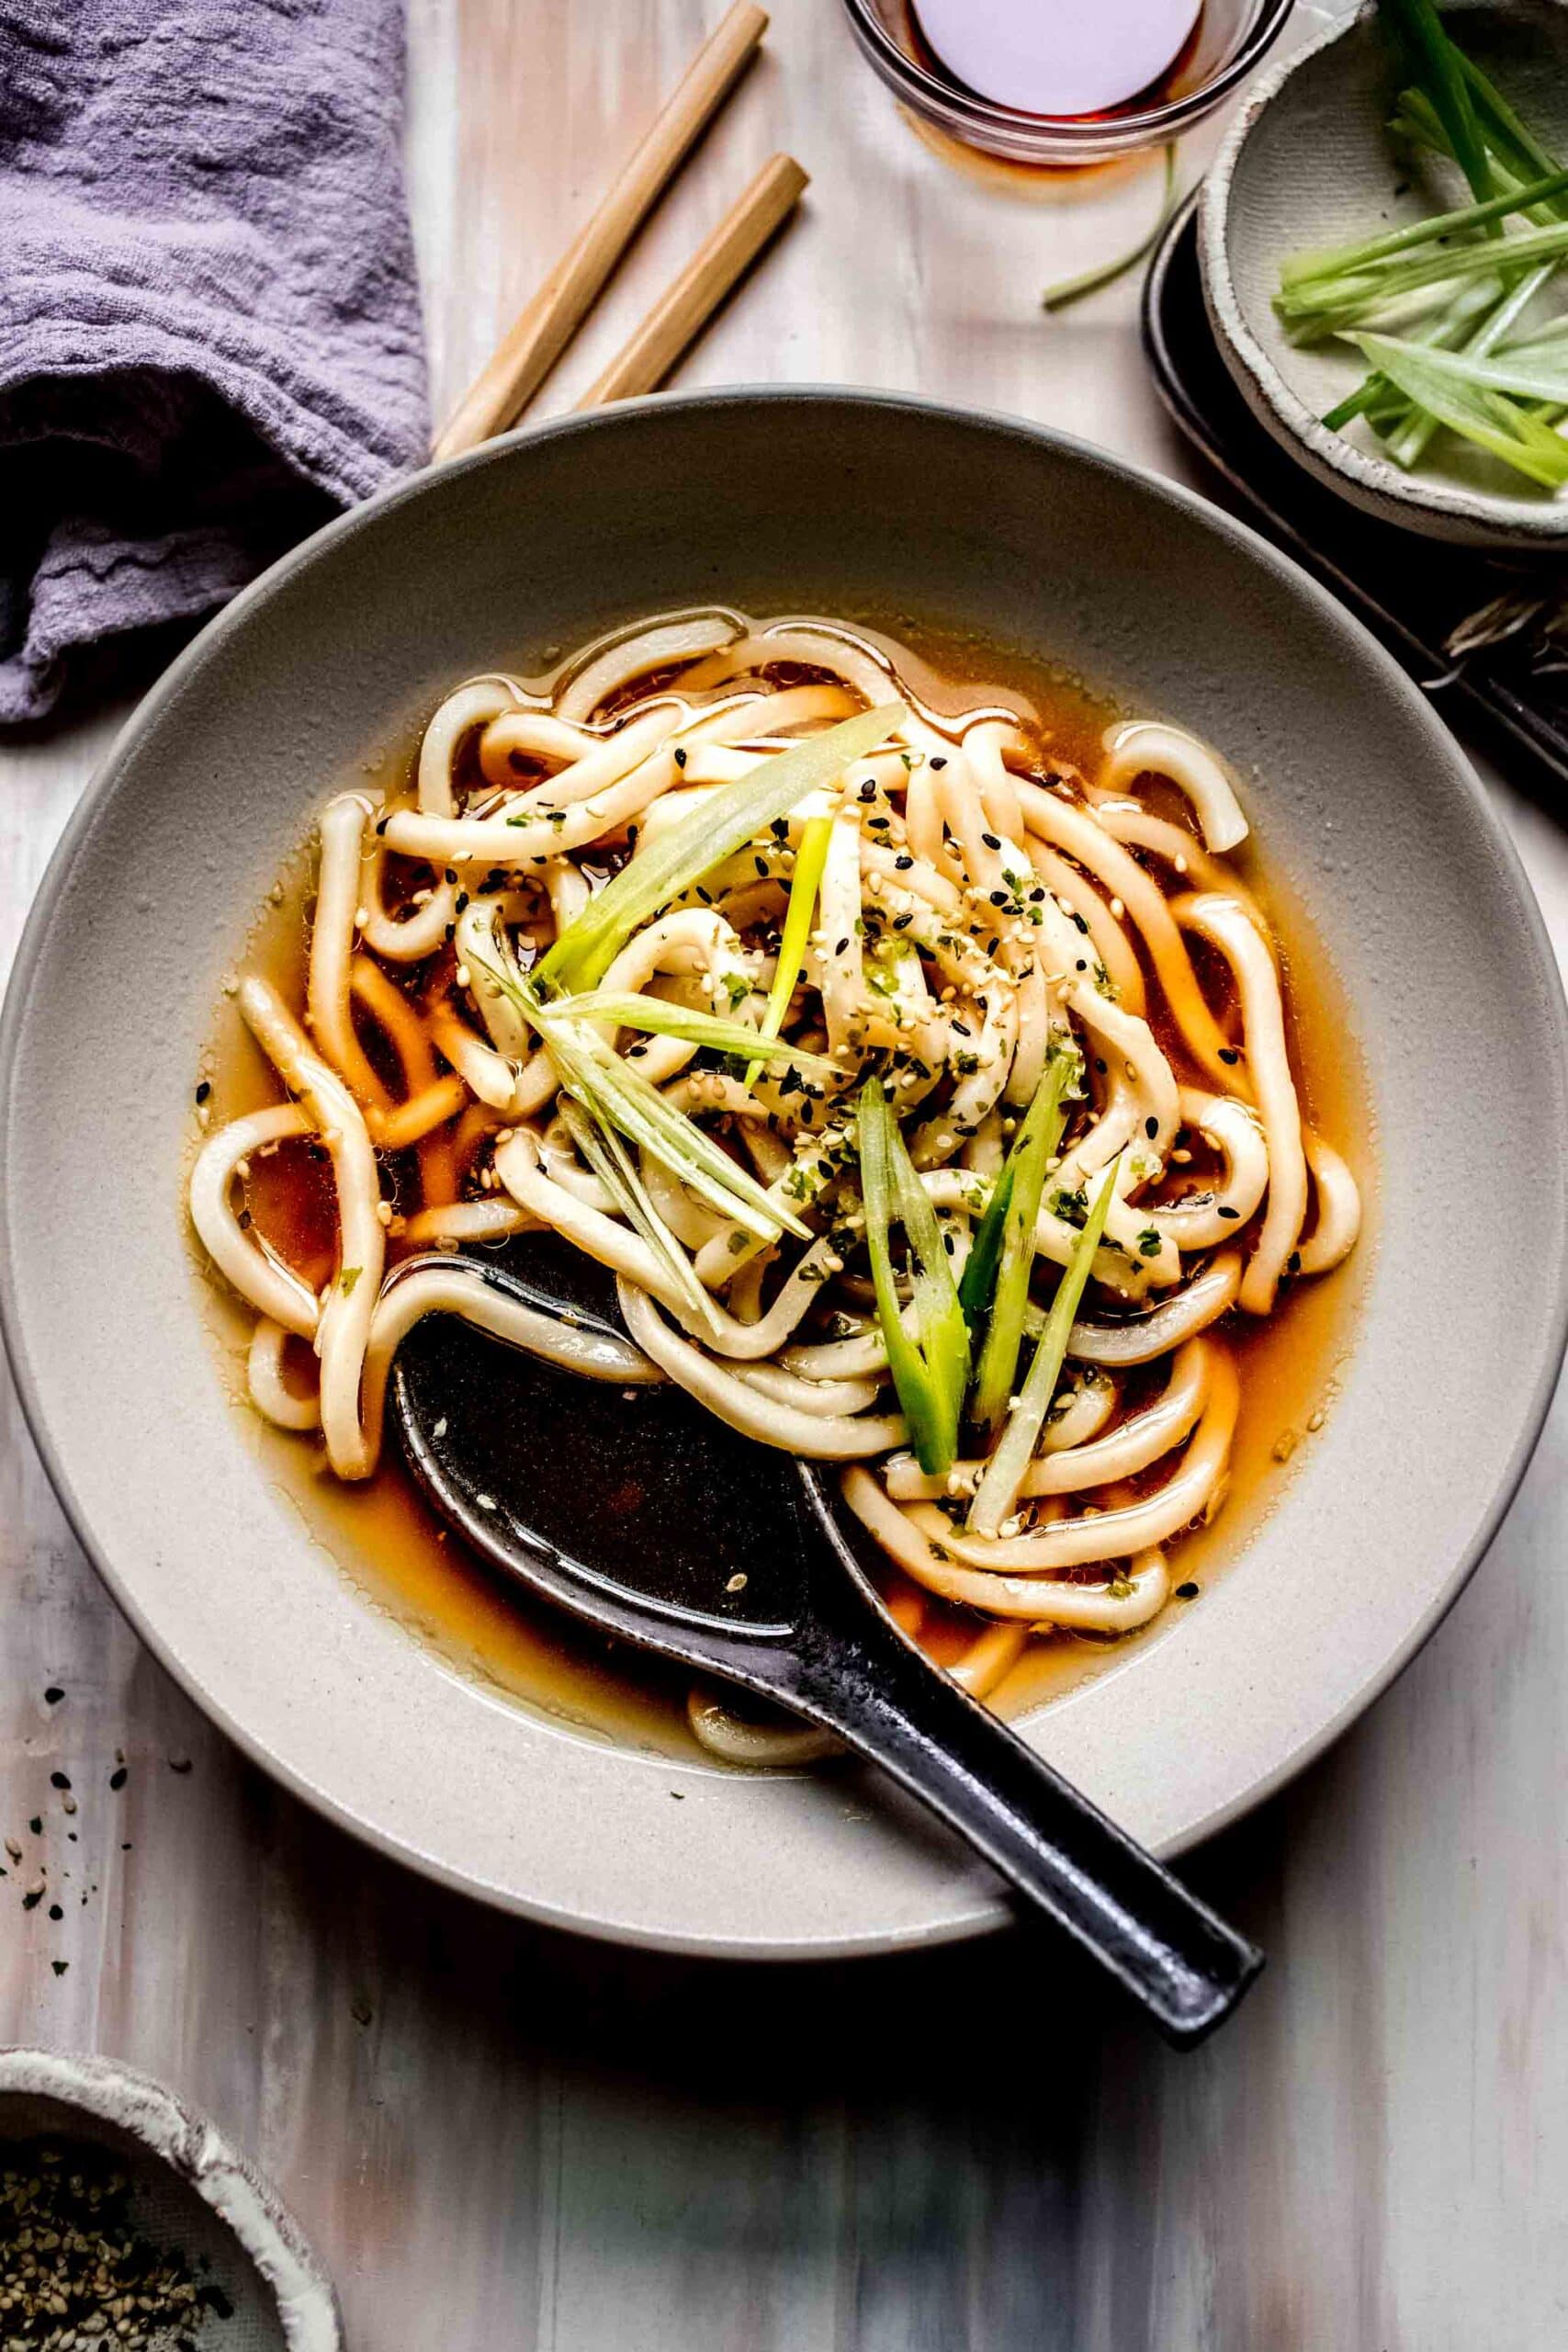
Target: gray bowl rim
[(1438, 509), (1553, 1335), (192, 2147)]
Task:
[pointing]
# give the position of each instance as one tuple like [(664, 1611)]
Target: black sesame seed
[(55, 1912), (36, 1825), (1229, 1054), (679, 757), (868, 789), (204, 1089), (1186, 1593), (903, 863), (840, 947), (1099, 1067), (991, 841), (940, 762), (1151, 1128), (245, 1220), (1082, 965), (118, 1777), (450, 875), (58, 1780), (1230, 1214), (1293, 1262), (54, 1695)]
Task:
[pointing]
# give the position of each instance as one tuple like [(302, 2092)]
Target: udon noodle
[(882, 1055)]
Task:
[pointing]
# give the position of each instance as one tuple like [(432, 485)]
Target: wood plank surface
[(504, 2138)]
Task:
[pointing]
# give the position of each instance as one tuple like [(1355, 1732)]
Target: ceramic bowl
[(189, 2188), (868, 506), (1307, 165)]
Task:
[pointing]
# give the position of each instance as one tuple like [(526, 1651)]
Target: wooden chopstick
[(540, 335), (687, 304)]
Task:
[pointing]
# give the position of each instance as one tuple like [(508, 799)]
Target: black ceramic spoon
[(641, 1513)]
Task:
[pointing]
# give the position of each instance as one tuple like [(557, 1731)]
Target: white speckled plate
[(850, 503), (1308, 165)]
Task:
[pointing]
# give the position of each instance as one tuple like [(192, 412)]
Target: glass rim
[(952, 102)]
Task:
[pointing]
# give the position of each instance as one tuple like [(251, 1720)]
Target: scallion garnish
[(614, 1010), (996, 1498), (1479, 280), (607, 1156), (1469, 396), (726, 821), (995, 1289), (931, 1372), (620, 1096), (810, 859)]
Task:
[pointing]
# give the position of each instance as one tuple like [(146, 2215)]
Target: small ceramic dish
[(188, 2189), (1308, 163)]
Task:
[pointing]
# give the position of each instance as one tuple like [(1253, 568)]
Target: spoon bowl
[(644, 1515)]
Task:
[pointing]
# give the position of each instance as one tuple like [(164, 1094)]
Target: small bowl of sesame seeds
[(129, 2221)]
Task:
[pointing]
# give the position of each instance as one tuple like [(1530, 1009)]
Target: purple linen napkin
[(209, 334)]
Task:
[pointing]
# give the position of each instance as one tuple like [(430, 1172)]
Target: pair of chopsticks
[(538, 337)]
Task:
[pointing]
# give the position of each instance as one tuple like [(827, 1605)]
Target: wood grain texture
[(501, 2138)]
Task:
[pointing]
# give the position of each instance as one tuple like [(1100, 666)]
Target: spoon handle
[(859, 1674)]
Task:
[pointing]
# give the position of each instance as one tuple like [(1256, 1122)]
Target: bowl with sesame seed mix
[(127, 2220)]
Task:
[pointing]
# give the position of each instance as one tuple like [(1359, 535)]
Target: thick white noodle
[(270, 1393), (416, 1291), (652, 647), (1144, 746), (816, 1437), (1131, 1447), (1117, 1607), (1225, 925), (1338, 1208), (328, 996), (350, 1301), (272, 1288), (1142, 1337)]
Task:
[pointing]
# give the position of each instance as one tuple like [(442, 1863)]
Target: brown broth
[(386, 1540)]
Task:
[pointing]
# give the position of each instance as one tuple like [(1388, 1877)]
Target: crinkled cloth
[(209, 334)]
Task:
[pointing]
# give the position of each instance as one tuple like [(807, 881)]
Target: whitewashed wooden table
[(502, 2138)]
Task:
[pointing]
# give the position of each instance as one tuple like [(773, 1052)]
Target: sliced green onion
[(1524, 370), (620, 1096), (616, 1010), (1376, 399), (1407, 445), (726, 821), (1437, 65), (1306, 267), (983, 1265), (1069, 290), (607, 1156), (931, 1372), (1516, 144), (996, 1498), (1469, 396), (1007, 1238), (810, 859)]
